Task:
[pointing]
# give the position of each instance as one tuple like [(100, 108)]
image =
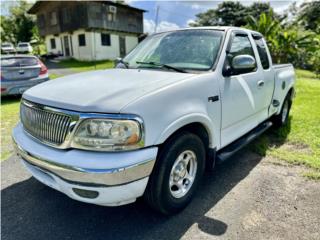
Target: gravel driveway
[(245, 198)]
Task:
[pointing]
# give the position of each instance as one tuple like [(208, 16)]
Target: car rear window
[(18, 61), (6, 45), (23, 45)]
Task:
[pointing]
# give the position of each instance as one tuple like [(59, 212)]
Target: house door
[(66, 46), (122, 46)]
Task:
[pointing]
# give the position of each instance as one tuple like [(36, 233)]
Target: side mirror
[(243, 63), (117, 61)]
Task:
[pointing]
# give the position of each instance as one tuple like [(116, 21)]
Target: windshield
[(23, 45), (187, 49), (6, 45)]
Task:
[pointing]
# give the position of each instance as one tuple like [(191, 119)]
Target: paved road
[(245, 198), (56, 69)]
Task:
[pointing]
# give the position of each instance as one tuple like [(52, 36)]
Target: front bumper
[(94, 177)]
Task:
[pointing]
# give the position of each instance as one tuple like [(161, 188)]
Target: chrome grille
[(47, 126)]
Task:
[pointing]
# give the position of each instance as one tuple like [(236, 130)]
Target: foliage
[(18, 26), (7, 34), (227, 13), (257, 8), (287, 42), (309, 16), (231, 13)]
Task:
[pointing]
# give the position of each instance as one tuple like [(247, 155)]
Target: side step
[(232, 148)]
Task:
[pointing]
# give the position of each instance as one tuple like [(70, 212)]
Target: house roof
[(35, 8)]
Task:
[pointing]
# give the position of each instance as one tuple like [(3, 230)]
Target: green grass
[(299, 141), (9, 118), (54, 76), (296, 143), (312, 175), (80, 66)]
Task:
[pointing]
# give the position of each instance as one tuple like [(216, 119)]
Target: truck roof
[(220, 28)]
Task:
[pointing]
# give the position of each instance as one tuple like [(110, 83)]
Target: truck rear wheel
[(282, 118), (177, 173)]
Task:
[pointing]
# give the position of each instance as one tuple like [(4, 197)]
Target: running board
[(229, 150)]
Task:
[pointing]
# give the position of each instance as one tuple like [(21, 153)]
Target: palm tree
[(287, 44)]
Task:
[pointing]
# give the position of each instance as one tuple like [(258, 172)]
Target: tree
[(232, 14), (7, 34), (309, 16), (286, 43), (257, 8), (18, 26), (226, 14)]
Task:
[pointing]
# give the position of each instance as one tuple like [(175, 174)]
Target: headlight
[(108, 134)]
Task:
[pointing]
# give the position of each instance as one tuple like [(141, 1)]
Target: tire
[(162, 194), (282, 118)]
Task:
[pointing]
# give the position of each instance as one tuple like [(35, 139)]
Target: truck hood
[(104, 91)]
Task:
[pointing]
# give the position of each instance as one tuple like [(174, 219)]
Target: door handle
[(260, 83)]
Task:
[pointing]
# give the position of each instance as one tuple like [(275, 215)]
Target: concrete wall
[(105, 52), (93, 49), (58, 48), (131, 43)]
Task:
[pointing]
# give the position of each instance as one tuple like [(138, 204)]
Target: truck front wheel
[(177, 173)]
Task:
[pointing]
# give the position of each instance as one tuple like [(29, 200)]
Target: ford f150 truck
[(179, 102)]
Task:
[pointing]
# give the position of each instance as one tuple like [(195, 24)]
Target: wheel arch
[(200, 125), (200, 128)]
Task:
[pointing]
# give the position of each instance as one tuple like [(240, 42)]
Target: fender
[(284, 83), (188, 119)]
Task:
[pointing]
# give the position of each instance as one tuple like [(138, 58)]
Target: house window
[(53, 43), (105, 39), (41, 20), (53, 18), (111, 17), (132, 20), (82, 40), (66, 15)]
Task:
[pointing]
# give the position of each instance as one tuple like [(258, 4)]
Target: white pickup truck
[(179, 102)]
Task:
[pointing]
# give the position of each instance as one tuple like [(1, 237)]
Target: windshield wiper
[(163, 66)]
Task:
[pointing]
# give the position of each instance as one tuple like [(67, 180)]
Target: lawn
[(299, 141), (296, 143), (80, 66)]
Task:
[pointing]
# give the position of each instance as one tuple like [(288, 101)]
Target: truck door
[(265, 66), (240, 93)]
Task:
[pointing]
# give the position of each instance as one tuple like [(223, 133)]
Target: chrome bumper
[(109, 176)]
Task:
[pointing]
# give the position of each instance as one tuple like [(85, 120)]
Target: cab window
[(263, 54)]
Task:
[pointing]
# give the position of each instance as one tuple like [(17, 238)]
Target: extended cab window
[(240, 45), (262, 50)]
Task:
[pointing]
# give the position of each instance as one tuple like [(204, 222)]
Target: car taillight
[(43, 69)]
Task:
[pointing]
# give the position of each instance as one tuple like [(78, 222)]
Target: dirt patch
[(297, 147)]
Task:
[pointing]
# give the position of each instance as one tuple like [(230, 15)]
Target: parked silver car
[(7, 48), (20, 72)]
